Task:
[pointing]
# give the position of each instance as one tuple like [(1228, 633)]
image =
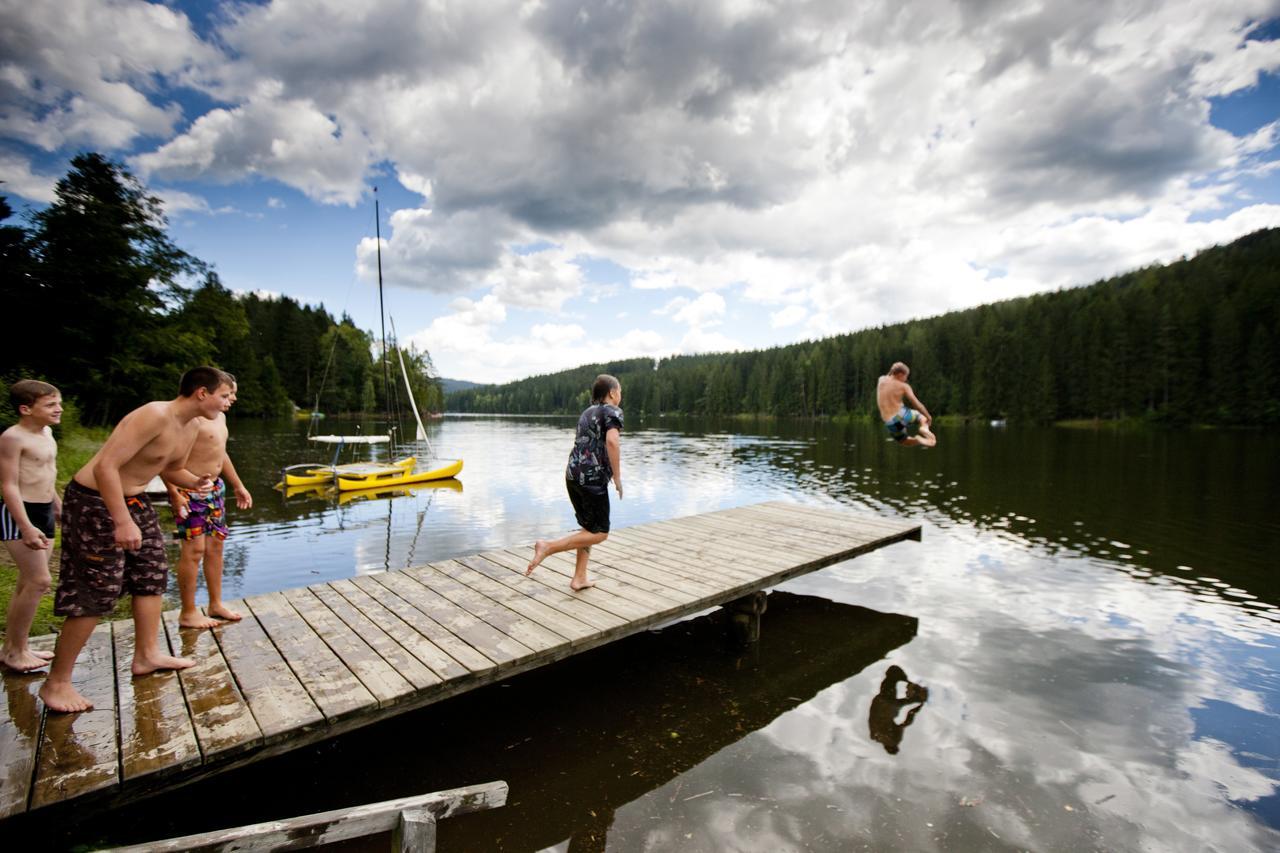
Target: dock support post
[(415, 833), (745, 616)]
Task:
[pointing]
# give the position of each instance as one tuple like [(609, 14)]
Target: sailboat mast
[(382, 314)]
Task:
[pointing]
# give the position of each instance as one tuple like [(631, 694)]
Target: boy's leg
[(193, 551), (574, 541), (926, 436), (579, 581), (57, 692), (33, 584), (213, 580), (147, 654)]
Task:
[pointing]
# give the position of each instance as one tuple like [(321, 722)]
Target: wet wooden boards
[(309, 664)]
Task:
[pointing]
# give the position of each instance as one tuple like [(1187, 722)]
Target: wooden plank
[(714, 573), (555, 597), (683, 577), (557, 579), (377, 676), (397, 656), (220, 715), (330, 684), (156, 733), (754, 554), (758, 563), (317, 830), (497, 646), (742, 537), (475, 662), (79, 753), (643, 593), (519, 600), (280, 704), (20, 734), (505, 619), (807, 516)]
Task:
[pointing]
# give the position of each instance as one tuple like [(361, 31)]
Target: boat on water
[(393, 476)]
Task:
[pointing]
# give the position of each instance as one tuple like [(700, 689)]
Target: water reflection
[(892, 710)]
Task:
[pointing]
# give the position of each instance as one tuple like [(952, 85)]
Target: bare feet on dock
[(196, 619), (579, 587), (540, 550), (23, 661), (63, 698), (143, 666), (222, 611)]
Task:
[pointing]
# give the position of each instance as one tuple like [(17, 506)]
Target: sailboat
[(372, 475)]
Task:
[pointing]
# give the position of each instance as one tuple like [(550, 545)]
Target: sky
[(562, 183)]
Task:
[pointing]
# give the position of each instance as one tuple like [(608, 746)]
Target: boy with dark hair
[(596, 459), (111, 539), (29, 508), (201, 521)]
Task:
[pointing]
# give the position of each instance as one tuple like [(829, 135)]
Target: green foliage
[(1192, 342), (133, 312)]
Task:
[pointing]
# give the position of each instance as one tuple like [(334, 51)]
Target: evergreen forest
[(1191, 342), (101, 303)]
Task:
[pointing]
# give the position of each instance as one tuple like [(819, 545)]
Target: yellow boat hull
[(402, 477), (319, 475), (378, 492)]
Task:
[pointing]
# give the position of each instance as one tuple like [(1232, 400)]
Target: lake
[(1083, 652)]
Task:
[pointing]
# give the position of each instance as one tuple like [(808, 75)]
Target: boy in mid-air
[(596, 459), (111, 538), (898, 417), (29, 508), (202, 523)]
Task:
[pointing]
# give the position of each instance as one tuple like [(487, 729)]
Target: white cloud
[(275, 203), (15, 172), (706, 310), (789, 316)]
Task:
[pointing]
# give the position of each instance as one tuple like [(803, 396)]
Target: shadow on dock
[(576, 741)]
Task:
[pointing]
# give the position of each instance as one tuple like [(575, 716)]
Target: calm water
[(1091, 622)]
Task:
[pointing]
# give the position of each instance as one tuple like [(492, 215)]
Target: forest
[(1191, 342), (101, 303)]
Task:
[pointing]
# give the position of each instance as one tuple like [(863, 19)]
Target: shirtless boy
[(596, 459), (202, 523), (28, 510), (898, 417), (111, 539)]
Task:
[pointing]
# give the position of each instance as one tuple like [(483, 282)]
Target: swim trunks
[(898, 425), (40, 514), (206, 513), (95, 571), (590, 509)]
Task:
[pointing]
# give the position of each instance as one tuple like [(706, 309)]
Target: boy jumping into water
[(29, 507), (202, 523), (898, 417), (596, 459), (111, 539)]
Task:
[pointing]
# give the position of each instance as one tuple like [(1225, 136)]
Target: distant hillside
[(451, 385), (1195, 341)]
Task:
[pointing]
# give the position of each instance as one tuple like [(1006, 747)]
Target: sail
[(421, 434)]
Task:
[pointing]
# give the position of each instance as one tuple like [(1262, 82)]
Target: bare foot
[(196, 619), (43, 655), (224, 612), (63, 698), (579, 587), (23, 661), (540, 551), (159, 662)]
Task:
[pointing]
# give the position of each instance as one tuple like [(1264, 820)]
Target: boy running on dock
[(111, 538), (596, 459), (899, 418), (29, 508), (202, 523)]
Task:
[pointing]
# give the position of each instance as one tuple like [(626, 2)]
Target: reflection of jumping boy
[(30, 506), (202, 523), (596, 459), (898, 417), (886, 705), (111, 539)]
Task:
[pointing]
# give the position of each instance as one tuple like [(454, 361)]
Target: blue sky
[(566, 182)]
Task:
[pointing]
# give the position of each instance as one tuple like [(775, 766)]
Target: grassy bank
[(75, 448)]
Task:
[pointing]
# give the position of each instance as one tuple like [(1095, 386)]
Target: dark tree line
[(100, 302), (1195, 341)]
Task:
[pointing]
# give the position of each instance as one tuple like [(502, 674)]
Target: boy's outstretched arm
[(613, 446), (244, 500), (10, 489)]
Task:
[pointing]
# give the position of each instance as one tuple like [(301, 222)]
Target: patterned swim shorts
[(95, 571), (206, 513)]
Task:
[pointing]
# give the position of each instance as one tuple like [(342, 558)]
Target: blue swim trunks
[(898, 425)]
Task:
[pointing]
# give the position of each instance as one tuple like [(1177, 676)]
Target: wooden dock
[(308, 664)]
